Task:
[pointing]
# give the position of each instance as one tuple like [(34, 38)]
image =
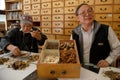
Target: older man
[(24, 37)]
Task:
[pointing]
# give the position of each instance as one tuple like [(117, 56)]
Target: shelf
[(12, 19), (12, 1), (13, 10)]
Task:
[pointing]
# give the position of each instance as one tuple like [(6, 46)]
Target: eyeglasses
[(89, 11)]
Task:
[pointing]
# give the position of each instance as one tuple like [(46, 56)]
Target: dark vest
[(100, 47)]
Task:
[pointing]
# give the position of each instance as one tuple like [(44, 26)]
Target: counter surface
[(11, 74)]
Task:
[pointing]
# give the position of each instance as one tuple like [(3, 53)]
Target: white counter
[(11, 74), (84, 75)]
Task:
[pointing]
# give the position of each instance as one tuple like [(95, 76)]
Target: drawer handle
[(45, 5), (45, 17), (85, 1), (119, 17), (57, 17), (70, 24), (118, 25), (35, 0), (57, 24), (57, 30), (70, 17), (71, 3), (64, 72), (102, 17), (57, 4), (70, 10), (45, 11), (103, 0), (52, 72), (46, 30), (35, 6), (103, 9), (118, 34), (36, 18), (57, 10), (46, 24)]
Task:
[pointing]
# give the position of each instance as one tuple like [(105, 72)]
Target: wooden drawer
[(68, 31), (116, 1), (46, 18), (27, 7), (26, 1), (70, 17), (71, 24), (45, 24), (46, 30), (46, 5), (58, 4), (116, 17), (71, 2), (27, 12), (116, 9), (90, 2), (103, 9), (35, 6), (62, 37), (59, 70), (57, 18), (57, 30), (116, 25), (45, 11), (103, 17), (57, 24), (57, 11), (35, 1), (51, 37), (35, 12), (36, 18), (107, 23), (45, 1), (103, 1), (70, 10)]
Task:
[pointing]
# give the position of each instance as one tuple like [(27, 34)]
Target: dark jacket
[(100, 47), (23, 41)]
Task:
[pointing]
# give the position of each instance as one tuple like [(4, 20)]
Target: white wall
[(2, 4)]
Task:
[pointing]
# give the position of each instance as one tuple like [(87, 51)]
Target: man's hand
[(103, 63), (36, 35), (14, 49)]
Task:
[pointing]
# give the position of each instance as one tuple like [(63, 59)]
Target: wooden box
[(68, 64)]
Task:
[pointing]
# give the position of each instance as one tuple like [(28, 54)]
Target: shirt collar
[(92, 27)]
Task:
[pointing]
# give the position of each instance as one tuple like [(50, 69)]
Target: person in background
[(24, 37), (96, 42)]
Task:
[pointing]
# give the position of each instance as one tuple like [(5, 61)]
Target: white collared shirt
[(87, 40)]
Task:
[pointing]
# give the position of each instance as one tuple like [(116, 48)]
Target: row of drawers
[(98, 9), (72, 2), (62, 31), (72, 17), (71, 25), (59, 37)]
